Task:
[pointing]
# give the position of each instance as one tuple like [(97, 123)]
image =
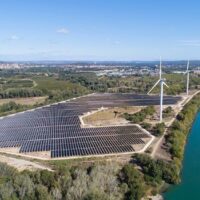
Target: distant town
[(108, 68)]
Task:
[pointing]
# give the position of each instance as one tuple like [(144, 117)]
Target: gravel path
[(158, 146), (21, 164)]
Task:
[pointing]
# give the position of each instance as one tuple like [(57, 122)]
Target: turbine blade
[(165, 84), (154, 86)]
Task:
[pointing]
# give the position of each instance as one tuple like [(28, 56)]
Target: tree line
[(96, 182), (12, 107), (19, 93)]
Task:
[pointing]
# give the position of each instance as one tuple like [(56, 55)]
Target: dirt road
[(158, 146), (21, 164)]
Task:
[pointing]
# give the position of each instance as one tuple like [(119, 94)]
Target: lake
[(189, 188)]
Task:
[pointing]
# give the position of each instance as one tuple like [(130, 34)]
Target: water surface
[(189, 188)]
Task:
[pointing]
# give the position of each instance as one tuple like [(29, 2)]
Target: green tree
[(135, 182)]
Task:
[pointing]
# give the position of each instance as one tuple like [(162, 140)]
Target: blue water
[(189, 188)]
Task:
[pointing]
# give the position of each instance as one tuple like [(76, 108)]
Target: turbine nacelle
[(164, 79), (162, 83), (187, 70)]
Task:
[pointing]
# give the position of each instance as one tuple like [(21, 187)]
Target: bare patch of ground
[(11, 150), (24, 101), (157, 197), (110, 116), (155, 118), (138, 147), (21, 164), (41, 155), (113, 117)]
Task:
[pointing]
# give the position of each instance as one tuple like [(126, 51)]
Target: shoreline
[(156, 197), (165, 187)]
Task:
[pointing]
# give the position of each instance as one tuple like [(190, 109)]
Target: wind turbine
[(188, 78), (161, 81)]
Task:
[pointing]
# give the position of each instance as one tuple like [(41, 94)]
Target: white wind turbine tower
[(188, 77), (161, 81)]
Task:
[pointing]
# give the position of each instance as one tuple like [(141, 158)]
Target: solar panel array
[(57, 128)]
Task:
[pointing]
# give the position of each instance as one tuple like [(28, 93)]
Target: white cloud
[(14, 37), (63, 30), (190, 42)]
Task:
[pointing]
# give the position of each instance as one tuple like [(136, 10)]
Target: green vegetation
[(97, 181), (86, 180), (146, 126), (83, 183), (18, 93), (168, 112), (142, 84), (141, 115), (176, 138), (11, 107), (158, 129), (87, 78), (60, 84), (41, 85), (15, 83), (156, 171), (132, 182), (58, 90)]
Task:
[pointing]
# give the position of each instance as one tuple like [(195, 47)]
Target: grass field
[(24, 101), (49, 83)]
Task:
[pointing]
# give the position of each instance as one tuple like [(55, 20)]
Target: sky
[(120, 30)]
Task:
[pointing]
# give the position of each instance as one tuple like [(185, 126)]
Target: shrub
[(159, 129)]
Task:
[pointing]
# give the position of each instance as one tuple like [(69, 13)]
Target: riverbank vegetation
[(157, 171), (178, 132), (96, 181), (87, 180)]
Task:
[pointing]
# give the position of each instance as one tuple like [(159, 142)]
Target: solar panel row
[(79, 143), (66, 131), (91, 151), (56, 128)]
